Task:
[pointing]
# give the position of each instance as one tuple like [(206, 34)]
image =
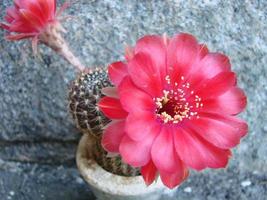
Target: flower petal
[(4, 26), (231, 102), (163, 151), (19, 3), (134, 99), (20, 36), (51, 7), (45, 8), (112, 108), (181, 54), (20, 26), (140, 124), (12, 12), (34, 7), (217, 85), (197, 153), (202, 51), (214, 63), (145, 75), (208, 67), (217, 132), (149, 172), (31, 19), (112, 136), (136, 153), (235, 122), (116, 72), (171, 180), (154, 46)]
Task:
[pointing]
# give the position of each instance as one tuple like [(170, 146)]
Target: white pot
[(108, 186)]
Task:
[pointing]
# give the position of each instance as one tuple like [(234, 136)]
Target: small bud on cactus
[(84, 93)]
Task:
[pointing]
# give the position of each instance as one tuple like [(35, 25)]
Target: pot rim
[(105, 181)]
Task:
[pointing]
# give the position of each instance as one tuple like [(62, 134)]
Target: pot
[(108, 186)]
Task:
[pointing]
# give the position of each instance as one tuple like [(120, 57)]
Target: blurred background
[(38, 138)]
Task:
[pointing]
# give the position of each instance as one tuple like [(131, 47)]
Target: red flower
[(173, 107), (36, 19), (29, 18)]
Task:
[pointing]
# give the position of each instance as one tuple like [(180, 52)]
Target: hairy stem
[(70, 57), (52, 37)]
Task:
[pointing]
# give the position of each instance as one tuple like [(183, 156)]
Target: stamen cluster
[(175, 105)]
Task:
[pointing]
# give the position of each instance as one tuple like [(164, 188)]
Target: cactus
[(84, 94), (113, 163)]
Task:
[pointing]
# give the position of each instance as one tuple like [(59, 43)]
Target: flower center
[(177, 103)]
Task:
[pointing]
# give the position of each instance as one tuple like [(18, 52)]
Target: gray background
[(37, 136)]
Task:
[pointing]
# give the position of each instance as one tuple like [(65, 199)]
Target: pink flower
[(29, 18), (38, 19), (173, 108)]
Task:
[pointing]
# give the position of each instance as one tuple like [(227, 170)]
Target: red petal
[(181, 54), (202, 51), (112, 108), (112, 136), (153, 45), (197, 153), (21, 27), (140, 124), (145, 74), (4, 26), (117, 71), (217, 85), (31, 19), (18, 3), (163, 151), (134, 99), (51, 7), (214, 63), (211, 65), (217, 132), (19, 24), (20, 36), (149, 173), (34, 7), (171, 180), (12, 12), (136, 153), (45, 8), (235, 122), (231, 102), (9, 19), (54, 6)]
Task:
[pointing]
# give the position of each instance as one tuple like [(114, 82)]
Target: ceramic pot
[(108, 186)]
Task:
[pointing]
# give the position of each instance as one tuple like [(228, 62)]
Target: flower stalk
[(52, 38)]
